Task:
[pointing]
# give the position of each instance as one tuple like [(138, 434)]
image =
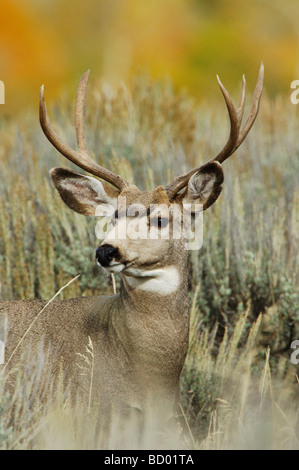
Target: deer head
[(84, 194)]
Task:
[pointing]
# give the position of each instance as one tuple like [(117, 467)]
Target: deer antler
[(237, 134), (81, 157)]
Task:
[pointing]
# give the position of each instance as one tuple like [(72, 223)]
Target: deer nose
[(105, 254)]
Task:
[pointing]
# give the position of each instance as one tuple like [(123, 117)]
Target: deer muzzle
[(105, 255)]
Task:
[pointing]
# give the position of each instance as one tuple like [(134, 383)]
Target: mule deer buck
[(140, 336)]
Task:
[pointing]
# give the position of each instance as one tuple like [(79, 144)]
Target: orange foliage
[(55, 41), (29, 55)]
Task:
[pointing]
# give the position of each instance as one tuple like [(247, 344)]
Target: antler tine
[(237, 134), (48, 129), (254, 108), (253, 112), (235, 123), (242, 99), (80, 158)]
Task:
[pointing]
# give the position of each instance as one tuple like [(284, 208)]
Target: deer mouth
[(115, 267), (118, 267)]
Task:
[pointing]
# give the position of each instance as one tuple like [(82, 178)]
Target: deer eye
[(159, 222), (119, 215)]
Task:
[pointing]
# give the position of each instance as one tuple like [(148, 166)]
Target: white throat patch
[(161, 281)]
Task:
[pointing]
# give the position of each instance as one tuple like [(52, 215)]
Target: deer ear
[(204, 186), (82, 193)]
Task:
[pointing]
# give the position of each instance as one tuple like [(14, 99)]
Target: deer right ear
[(204, 186), (82, 193)]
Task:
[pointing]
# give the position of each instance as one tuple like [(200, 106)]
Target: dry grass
[(239, 388), (233, 399)]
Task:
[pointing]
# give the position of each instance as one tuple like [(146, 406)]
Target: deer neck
[(153, 322)]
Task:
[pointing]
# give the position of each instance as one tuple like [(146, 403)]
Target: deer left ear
[(204, 186)]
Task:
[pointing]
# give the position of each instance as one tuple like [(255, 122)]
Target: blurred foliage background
[(55, 41), (239, 387)]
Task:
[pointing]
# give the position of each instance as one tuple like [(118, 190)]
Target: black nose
[(105, 254)]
